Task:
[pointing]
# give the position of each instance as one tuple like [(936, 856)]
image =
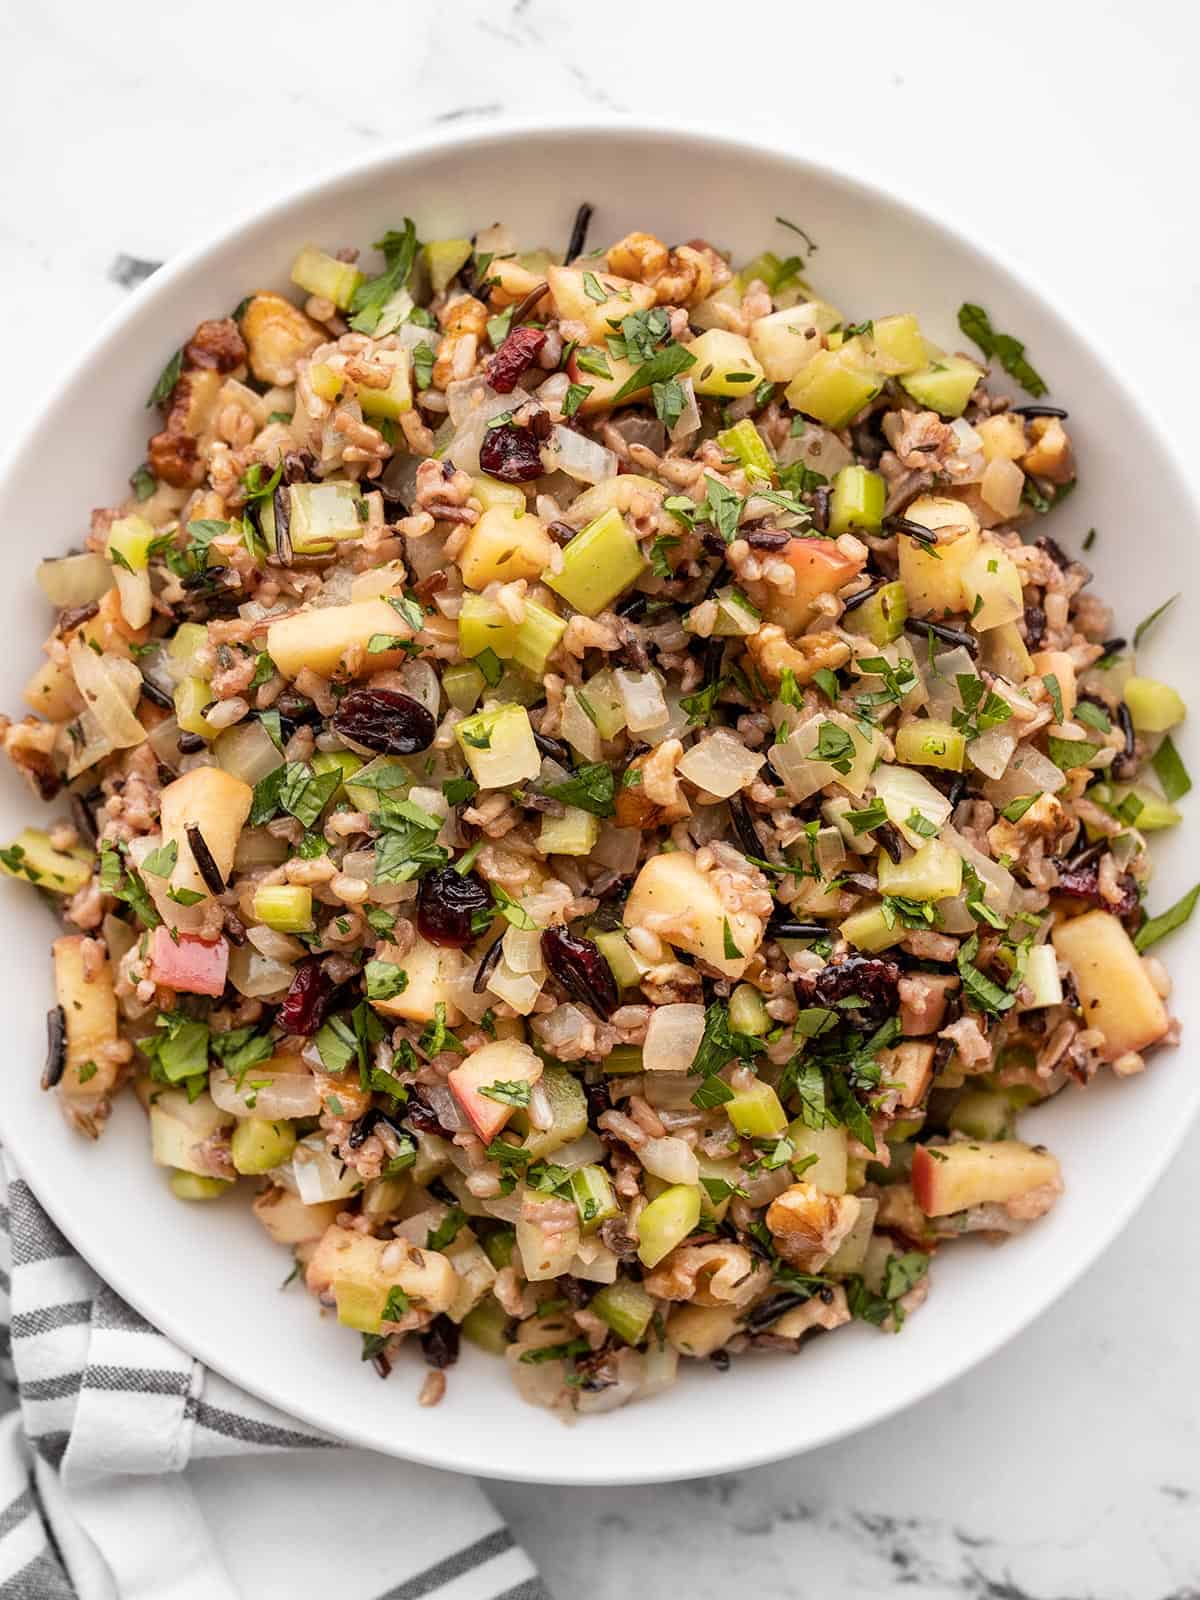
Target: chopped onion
[(110, 687), (1001, 486), (617, 848), (445, 1107), (673, 1160), (258, 847), (642, 696), (582, 1152), (399, 481), (678, 719), (523, 949), (246, 751), (274, 945), (904, 790), (673, 1037), (578, 729), (118, 936), (420, 682), (553, 392), (497, 239), (628, 1368), (75, 580), (999, 885), (660, 1368), (579, 456), (1029, 772), (320, 1176), (164, 741), (968, 459), (460, 993), (954, 917), (944, 697), (819, 450), (256, 975), (668, 1091), (593, 1261), (561, 1026), (992, 751), (519, 989), (720, 764), (264, 1093), (616, 492), (763, 1187), (137, 600), (689, 417), (830, 852), (504, 1207)]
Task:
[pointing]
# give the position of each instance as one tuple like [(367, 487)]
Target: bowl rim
[(821, 161)]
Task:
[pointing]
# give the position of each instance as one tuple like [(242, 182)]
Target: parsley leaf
[(399, 252), (1166, 922), (723, 508), (384, 980), (976, 324), (167, 379), (1144, 626), (590, 787)]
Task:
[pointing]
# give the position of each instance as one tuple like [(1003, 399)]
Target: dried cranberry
[(518, 352), (446, 902), (598, 1100), (864, 977), (511, 454), (385, 720), (420, 1117), (307, 1000), (439, 1341), (1083, 883), (581, 969)]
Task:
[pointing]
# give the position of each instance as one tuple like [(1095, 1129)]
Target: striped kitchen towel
[(129, 1471)]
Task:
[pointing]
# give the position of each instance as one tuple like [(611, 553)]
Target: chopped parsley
[(1008, 351)]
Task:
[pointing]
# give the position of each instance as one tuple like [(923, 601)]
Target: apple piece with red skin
[(187, 963), (506, 1061), (604, 390), (977, 1172), (820, 568), (572, 302)]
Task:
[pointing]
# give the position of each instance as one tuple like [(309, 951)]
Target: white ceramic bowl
[(207, 1274)]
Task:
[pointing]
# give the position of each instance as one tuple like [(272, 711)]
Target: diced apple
[(321, 638), (679, 903), (697, 1331), (1003, 437), (216, 803), (546, 1244), (829, 1146), (820, 568), (187, 963), (90, 1010), (1114, 988), (506, 543), (52, 692), (431, 971), (289, 1221), (569, 290), (787, 340), (725, 364), (504, 1061), (952, 1177), (352, 1266), (991, 588), (933, 580), (908, 1067), (1057, 664), (604, 391)]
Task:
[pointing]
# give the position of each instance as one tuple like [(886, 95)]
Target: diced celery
[(744, 442), (573, 834), (194, 1186), (934, 872), (444, 258), (191, 697), (625, 1307), (725, 364), (397, 398), (736, 617), (981, 1114), (258, 1145), (869, 930), (326, 276), (929, 742), (835, 385), (668, 1220), (463, 684), (945, 385), (598, 564), (517, 688), (756, 1112), (1155, 707), (286, 907), (624, 1059), (883, 616), (129, 540), (187, 639), (607, 706), (896, 343), (383, 1197), (1136, 803), (537, 638), (747, 1013), (486, 1326), (343, 761), (767, 267), (498, 746), (32, 856), (594, 1197), (482, 625), (320, 515), (568, 1113), (857, 501), (499, 1246)]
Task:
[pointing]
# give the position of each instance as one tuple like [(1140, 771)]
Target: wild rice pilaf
[(576, 783)]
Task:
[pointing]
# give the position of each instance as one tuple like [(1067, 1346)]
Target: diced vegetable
[(285, 907), (546, 1245), (568, 1113), (320, 638), (747, 1011), (883, 616), (857, 501), (594, 1197), (952, 1177), (483, 625), (945, 385), (700, 922), (505, 544), (835, 385), (934, 872), (192, 1186), (432, 971), (625, 1307), (725, 364), (598, 564), (929, 742), (667, 1221), (486, 1326), (463, 684), (932, 578), (896, 344), (445, 258), (499, 747), (786, 341), (1114, 988), (871, 929), (325, 276), (536, 639), (33, 857), (829, 1146), (992, 589), (320, 516), (1155, 707), (756, 1112), (257, 1145), (982, 1114), (573, 834), (90, 1009), (746, 445)]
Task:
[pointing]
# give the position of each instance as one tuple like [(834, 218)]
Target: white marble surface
[(1069, 1465)]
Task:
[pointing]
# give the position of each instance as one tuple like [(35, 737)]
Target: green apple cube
[(668, 1220)]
